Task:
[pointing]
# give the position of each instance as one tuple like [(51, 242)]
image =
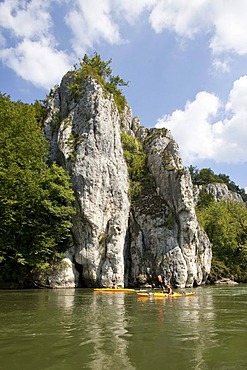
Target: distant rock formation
[(115, 238), (220, 192), (225, 281)]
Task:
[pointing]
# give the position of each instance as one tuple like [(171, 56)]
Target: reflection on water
[(109, 326), (64, 299), (79, 329)]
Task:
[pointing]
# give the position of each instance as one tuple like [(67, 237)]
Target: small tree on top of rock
[(101, 71)]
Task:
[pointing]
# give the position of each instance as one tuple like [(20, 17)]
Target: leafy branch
[(101, 71)]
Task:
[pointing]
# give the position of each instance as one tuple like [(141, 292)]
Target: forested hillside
[(225, 223), (35, 199)]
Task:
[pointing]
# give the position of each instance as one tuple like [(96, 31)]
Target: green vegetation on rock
[(136, 159), (142, 184), (207, 176), (35, 199), (101, 71)]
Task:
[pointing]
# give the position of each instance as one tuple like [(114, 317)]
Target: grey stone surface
[(114, 239)]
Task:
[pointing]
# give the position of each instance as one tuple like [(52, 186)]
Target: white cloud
[(237, 101), (229, 21), (37, 62), (131, 10), (235, 128), (221, 65), (2, 41), (91, 22), (94, 21), (224, 20), (183, 17), (33, 54), (26, 19), (191, 129), (201, 136)]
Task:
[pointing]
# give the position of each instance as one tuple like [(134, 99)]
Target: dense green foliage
[(204, 199), (207, 176), (226, 226), (136, 159), (225, 223), (35, 200), (40, 111), (101, 71)]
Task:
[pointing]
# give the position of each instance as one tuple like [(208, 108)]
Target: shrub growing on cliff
[(101, 71), (136, 160), (35, 200)]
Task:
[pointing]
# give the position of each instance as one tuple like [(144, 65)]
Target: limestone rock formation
[(86, 139), (63, 275), (115, 238), (220, 192), (165, 235)]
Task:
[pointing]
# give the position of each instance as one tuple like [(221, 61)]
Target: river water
[(81, 329)]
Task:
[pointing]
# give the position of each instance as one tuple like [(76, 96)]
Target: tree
[(204, 199), (35, 200), (101, 71), (40, 111), (194, 172), (206, 176), (96, 65), (226, 226)]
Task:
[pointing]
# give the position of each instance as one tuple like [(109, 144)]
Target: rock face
[(63, 275), (165, 237), (113, 238), (86, 139), (219, 191)]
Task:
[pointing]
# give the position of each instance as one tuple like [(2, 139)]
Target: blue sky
[(186, 62)]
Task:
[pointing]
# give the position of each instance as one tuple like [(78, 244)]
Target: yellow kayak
[(164, 295), (114, 290)]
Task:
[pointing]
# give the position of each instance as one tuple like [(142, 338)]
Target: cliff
[(116, 237), (219, 191)]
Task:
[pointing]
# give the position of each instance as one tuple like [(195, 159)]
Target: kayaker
[(160, 280), (168, 289), (114, 285)]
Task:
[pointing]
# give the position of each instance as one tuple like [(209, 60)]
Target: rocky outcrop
[(113, 238), (220, 192), (225, 281), (165, 235), (86, 140), (63, 275)]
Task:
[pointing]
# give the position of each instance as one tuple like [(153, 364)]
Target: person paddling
[(114, 285), (160, 280), (168, 290)]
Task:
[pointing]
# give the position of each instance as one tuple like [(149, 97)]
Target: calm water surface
[(80, 329)]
